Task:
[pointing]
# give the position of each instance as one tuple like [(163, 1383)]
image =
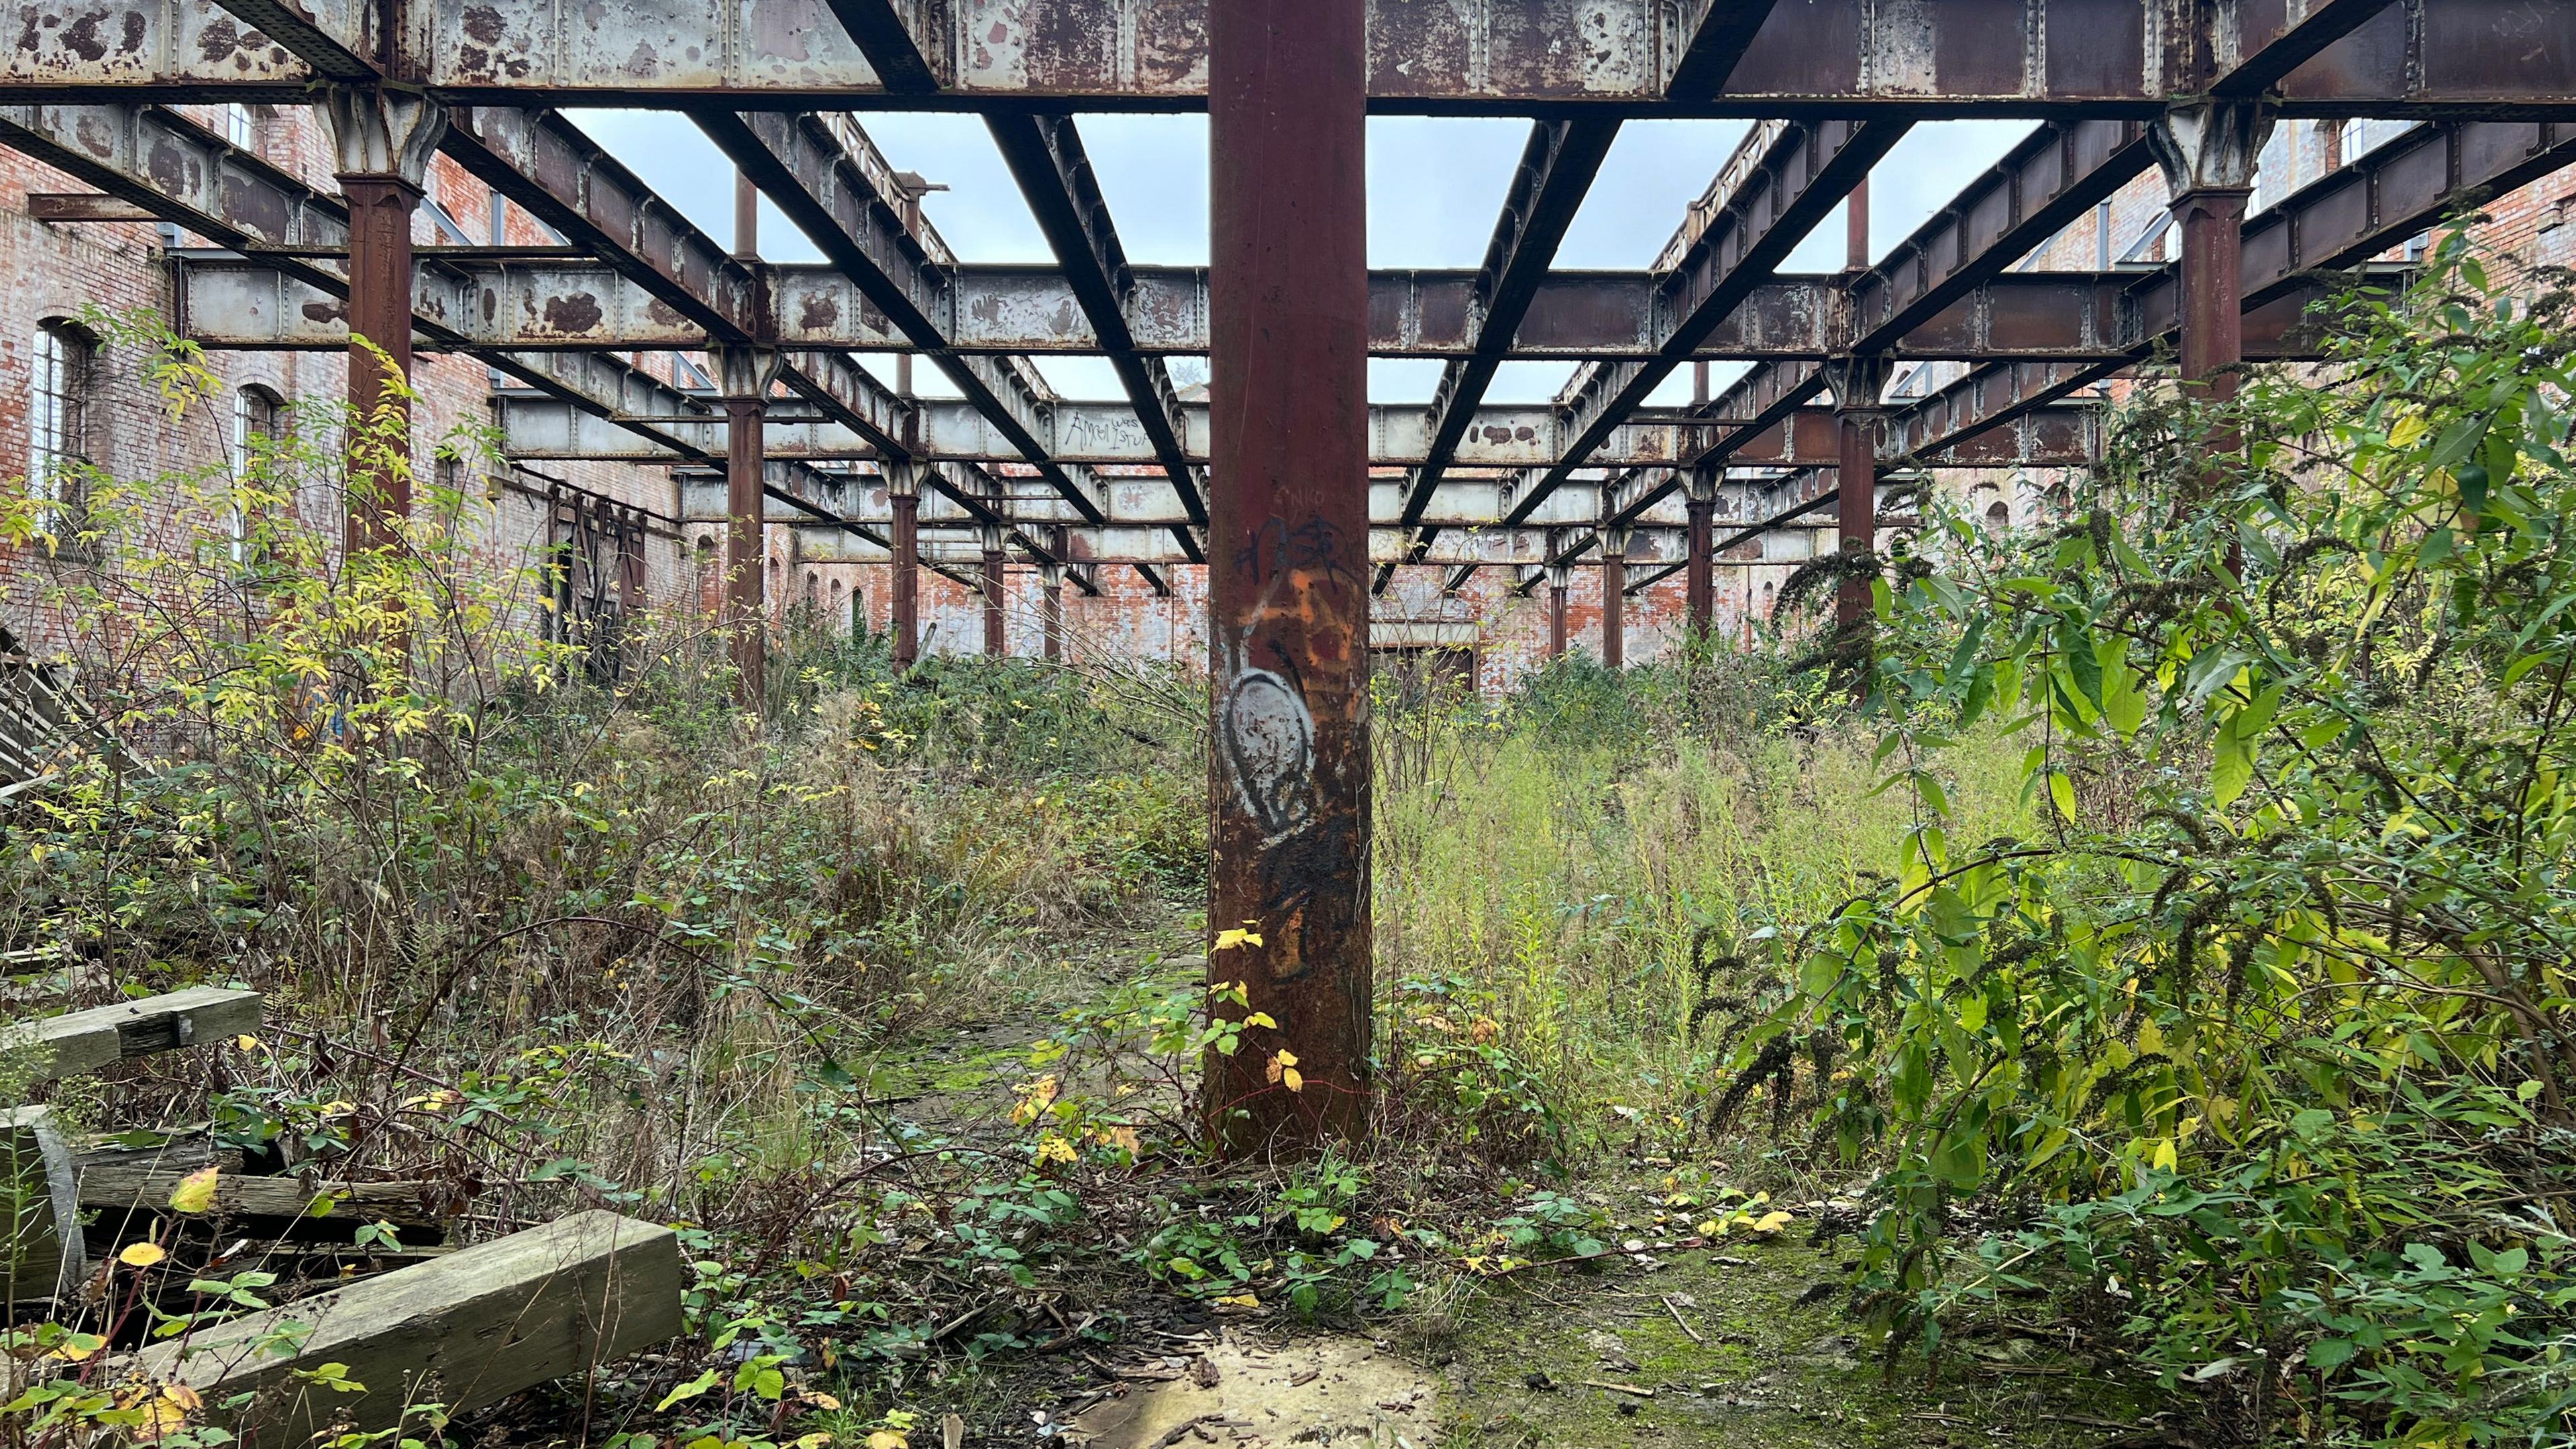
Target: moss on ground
[(1746, 1343)]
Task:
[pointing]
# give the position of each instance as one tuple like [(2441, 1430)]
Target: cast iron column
[(1614, 597), (1858, 383), (1560, 589), (2208, 150), (381, 141), (745, 374), (1699, 576), (1288, 571), (996, 637), (1051, 609), (903, 600)]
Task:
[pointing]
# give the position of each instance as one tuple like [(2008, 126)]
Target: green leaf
[(2062, 791), (689, 1390), (2233, 768)]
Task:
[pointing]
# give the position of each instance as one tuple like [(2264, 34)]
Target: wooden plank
[(84, 1041), (130, 1187), (463, 1331), (36, 1195)]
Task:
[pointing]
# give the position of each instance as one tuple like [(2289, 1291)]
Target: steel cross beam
[(1045, 154), (188, 176), (2338, 221), (1557, 168), (2503, 59), (2273, 38), (830, 180), (2043, 183), (1802, 173)]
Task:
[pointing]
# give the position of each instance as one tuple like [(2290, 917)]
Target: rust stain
[(819, 314), (663, 313), (483, 23), (575, 314), (220, 38), (326, 312)]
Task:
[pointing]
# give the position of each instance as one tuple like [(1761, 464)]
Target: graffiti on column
[(1267, 746)]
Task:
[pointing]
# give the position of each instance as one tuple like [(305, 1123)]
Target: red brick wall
[(58, 269)]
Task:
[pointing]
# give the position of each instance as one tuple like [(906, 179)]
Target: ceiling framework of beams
[(1833, 83)]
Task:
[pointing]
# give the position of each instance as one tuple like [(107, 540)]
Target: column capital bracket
[(2208, 144), (379, 131)]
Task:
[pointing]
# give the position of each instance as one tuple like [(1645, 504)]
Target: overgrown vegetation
[(2167, 960)]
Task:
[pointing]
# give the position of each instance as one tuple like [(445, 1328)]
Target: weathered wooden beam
[(461, 1331), (123, 1187), (44, 1261), (84, 1041)]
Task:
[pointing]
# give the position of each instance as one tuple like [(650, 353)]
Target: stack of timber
[(411, 1320), (41, 724)]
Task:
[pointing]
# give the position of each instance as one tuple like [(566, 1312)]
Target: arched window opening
[(58, 443), (1998, 516), (258, 424)]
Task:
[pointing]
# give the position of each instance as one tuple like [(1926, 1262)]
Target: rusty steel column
[(381, 142), (1051, 609), (1856, 249), (1858, 383), (2208, 150), (745, 374), (1560, 591), (1288, 571), (996, 633), (903, 599), (1699, 575), (1614, 597)]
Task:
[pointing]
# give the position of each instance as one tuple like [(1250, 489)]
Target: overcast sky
[(1435, 184)]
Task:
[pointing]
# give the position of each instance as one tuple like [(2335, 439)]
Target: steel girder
[(2498, 58)]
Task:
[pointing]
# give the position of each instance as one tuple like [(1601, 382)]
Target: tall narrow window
[(241, 127), (58, 420), (257, 426)]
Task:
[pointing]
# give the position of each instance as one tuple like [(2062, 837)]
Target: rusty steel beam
[(2337, 222), (1557, 168), (1624, 58), (1046, 157), (179, 171), (1802, 173), (551, 297), (2273, 38), (830, 180), (184, 174), (542, 162), (883, 31), (334, 44), (1714, 34)]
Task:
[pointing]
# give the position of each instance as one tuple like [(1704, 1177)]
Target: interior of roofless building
[(917, 724)]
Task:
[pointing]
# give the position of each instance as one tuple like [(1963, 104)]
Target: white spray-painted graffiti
[(1269, 741)]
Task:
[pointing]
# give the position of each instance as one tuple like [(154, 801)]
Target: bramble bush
[(2259, 1048)]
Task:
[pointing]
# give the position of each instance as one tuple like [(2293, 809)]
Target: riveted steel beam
[(1625, 58), (1046, 157), (831, 181)]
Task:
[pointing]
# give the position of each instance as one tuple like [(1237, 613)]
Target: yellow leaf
[(1289, 1078), (1772, 1222), (1234, 940), (246, 1043), (1287, 1059), (1241, 1300), (821, 1401), (141, 1255), (888, 1439), (78, 1346), (2166, 1157), (195, 1192)]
